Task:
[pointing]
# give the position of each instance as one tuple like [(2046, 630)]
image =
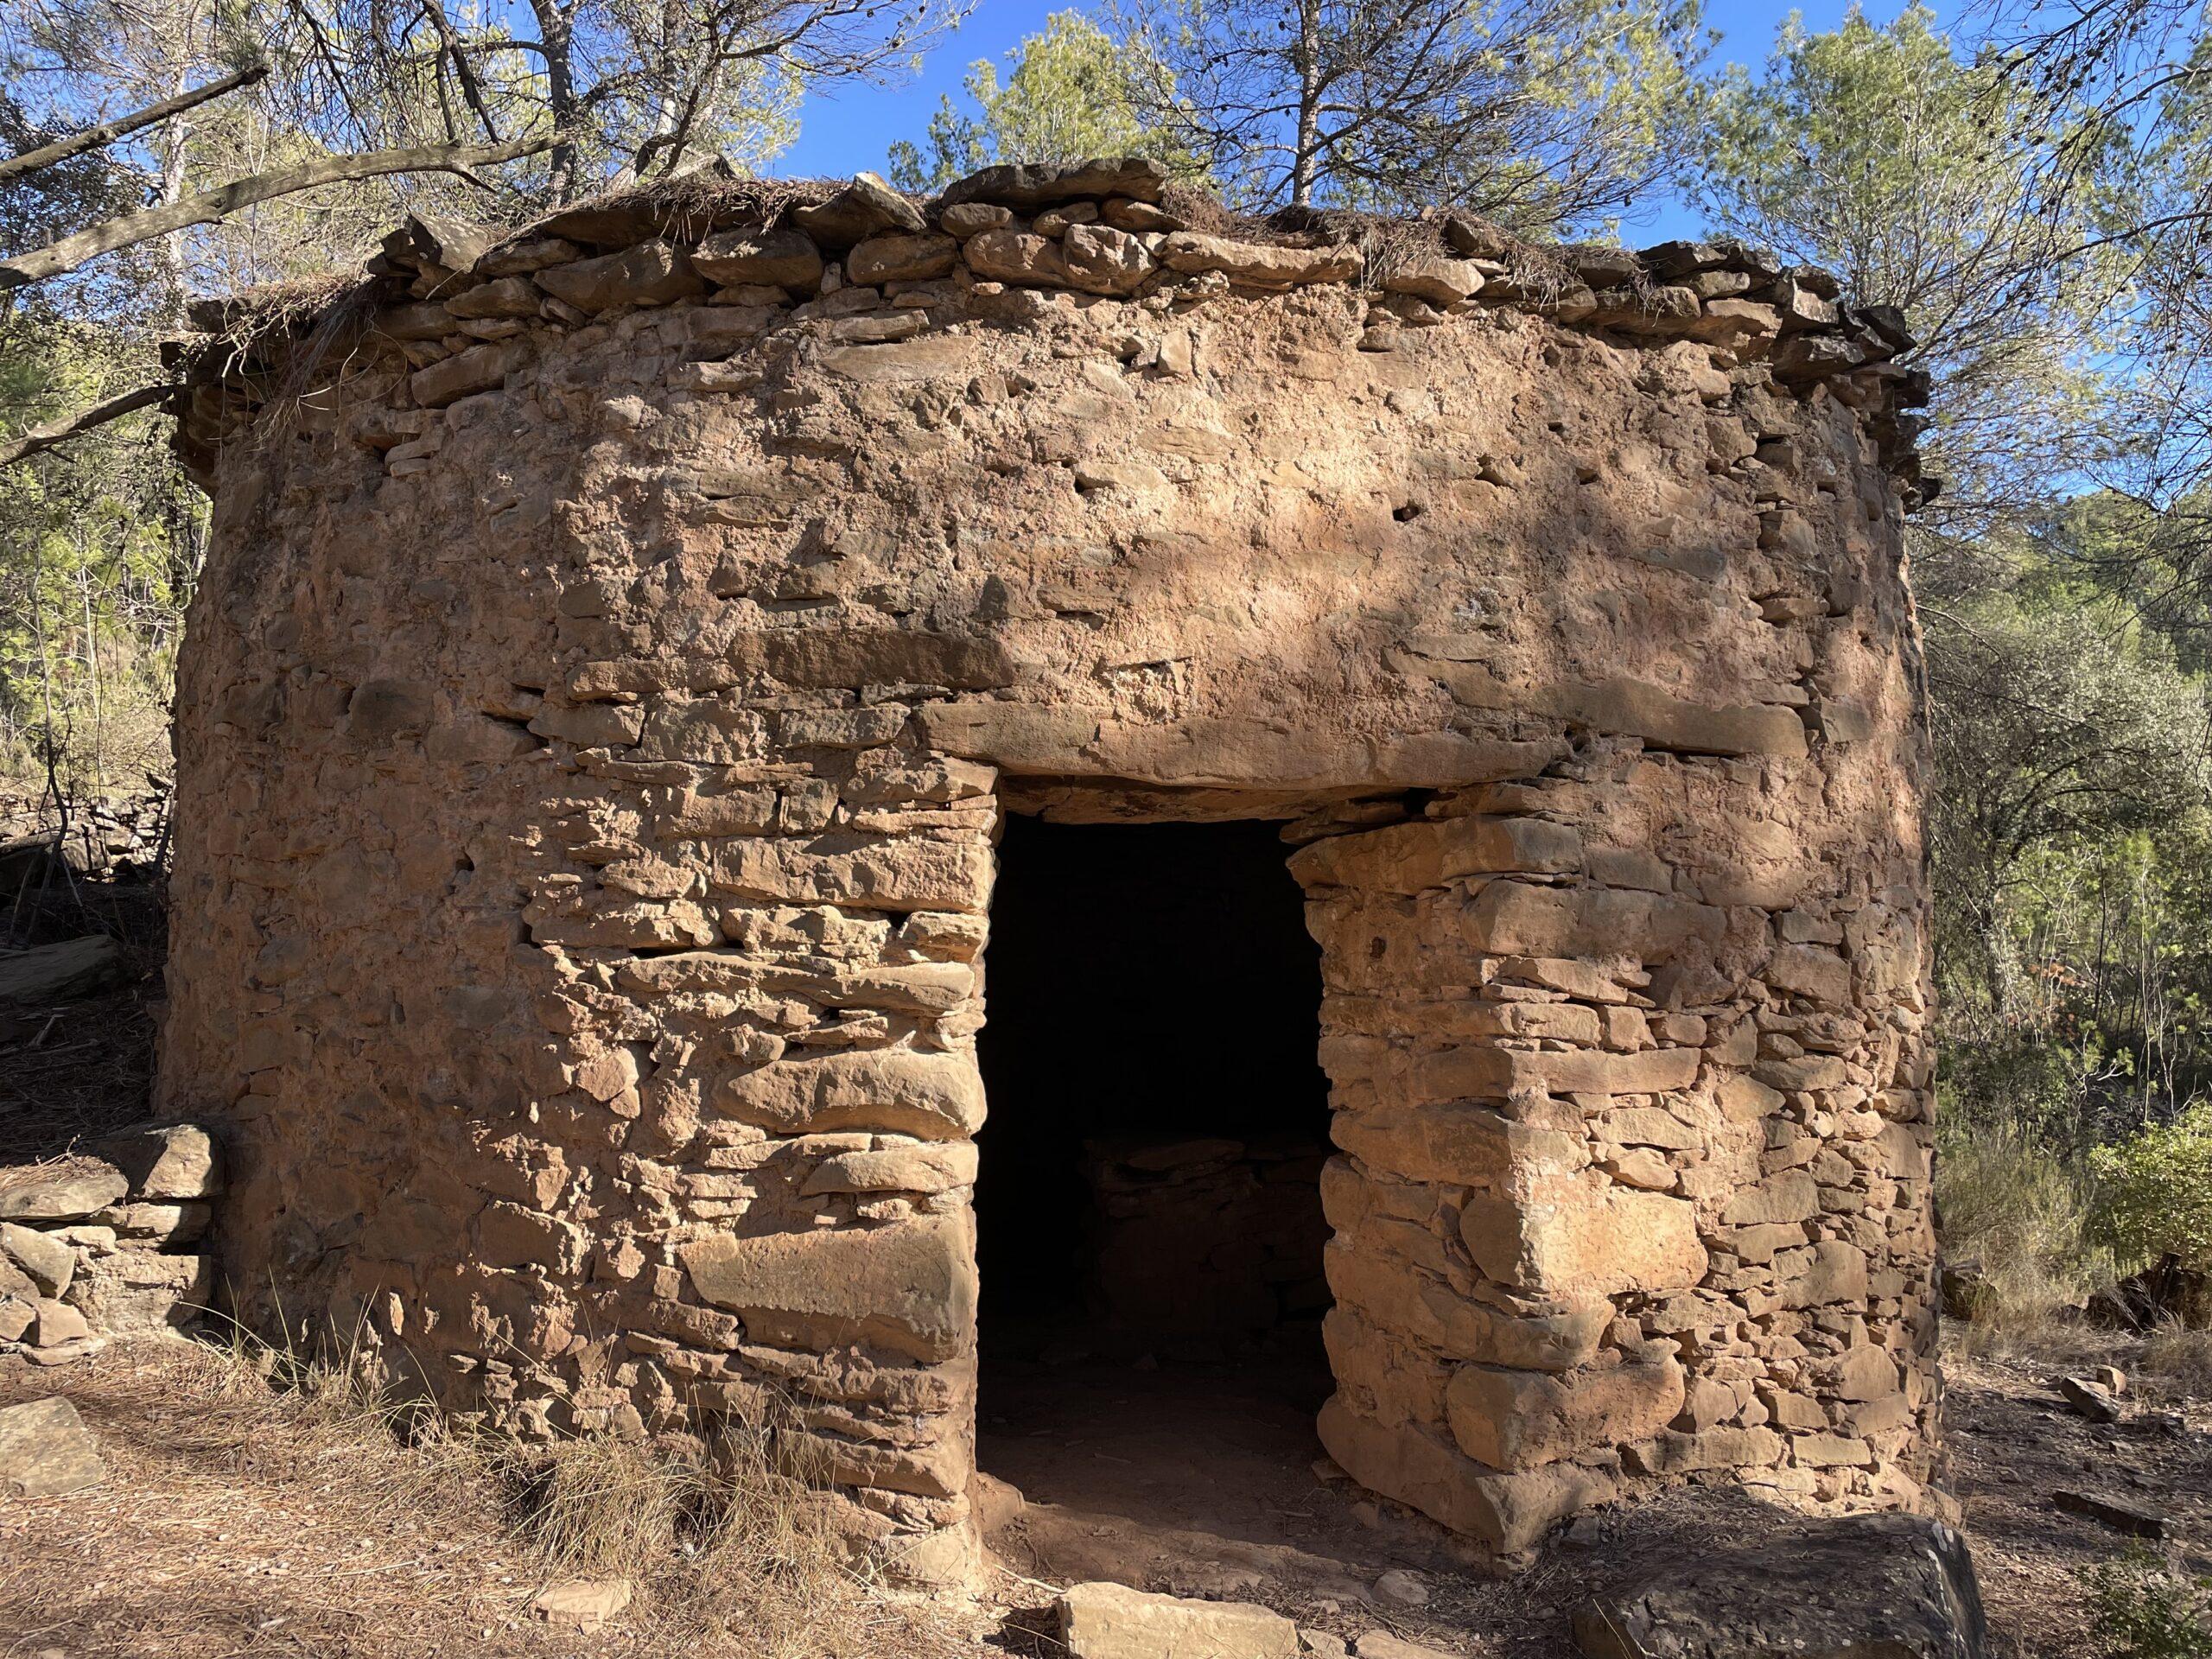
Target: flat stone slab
[(1111, 1621), (45, 1449), (582, 1603), (1875, 1586), (60, 973), (70, 1191)]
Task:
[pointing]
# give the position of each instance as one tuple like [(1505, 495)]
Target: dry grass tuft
[(2023, 1215)]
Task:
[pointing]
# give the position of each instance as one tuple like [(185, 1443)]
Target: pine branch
[(101, 137), (59, 258), (40, 438)]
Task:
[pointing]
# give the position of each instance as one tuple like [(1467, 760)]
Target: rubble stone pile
[(107, 1243), (620, 638)]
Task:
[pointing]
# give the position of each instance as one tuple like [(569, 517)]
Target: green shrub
[(2154, 1191), (2140, 1609), (2023, 1213)]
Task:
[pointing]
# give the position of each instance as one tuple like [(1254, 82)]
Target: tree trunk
[(1305, 161), (556, 35)]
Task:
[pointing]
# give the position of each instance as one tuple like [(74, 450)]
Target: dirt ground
[(242, 1519), (238, 1519)]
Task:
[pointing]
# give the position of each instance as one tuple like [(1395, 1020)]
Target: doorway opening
[(1148, 1213)]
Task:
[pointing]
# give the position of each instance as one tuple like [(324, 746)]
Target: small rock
[(2088, 1399), (1111, 1621), (45, 1259), (582, 1603), (16, 1317), (166, 1162), (2111, 1380), (57, 1323), (1321, 1642), (1399, 1585), (45, 1449), (2126, 1517)]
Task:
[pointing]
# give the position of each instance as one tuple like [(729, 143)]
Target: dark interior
[(1152, 991)]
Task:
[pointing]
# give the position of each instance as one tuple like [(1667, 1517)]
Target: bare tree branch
[(58, 259), (69, 426), (153, 115)]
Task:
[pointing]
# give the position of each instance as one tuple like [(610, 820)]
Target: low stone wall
[(620, 638), (105, 1243)]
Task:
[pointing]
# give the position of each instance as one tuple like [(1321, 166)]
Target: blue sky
[(854, 129)]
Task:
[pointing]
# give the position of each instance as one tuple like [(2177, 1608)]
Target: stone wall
[(1212, 1238), (620, 641), (108, 1241)]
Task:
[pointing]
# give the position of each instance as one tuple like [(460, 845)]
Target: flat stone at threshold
[(1111, 1621), (1899, 1585), (46, 1449)]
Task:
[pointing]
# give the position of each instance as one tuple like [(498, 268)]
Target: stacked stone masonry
[(620, 640), (107, 1241)]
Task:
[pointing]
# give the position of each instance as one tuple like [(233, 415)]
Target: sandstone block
[(1010, 256), (1791, 1195), (966, 219), (1517, 919), (45, 1259), (1603, 1244), (786, 260), (46, 1450), (917, 256), (908, 1286), (651, 273), (1510, 1512), (866, 206), (1520, 1420), (1396, 1296), (1027, 186), (898, 1091), (1481, 1071), (68, 1191), (1262, 264), (1410, 857), (509, 296), (1434, 278), (895, 1169), (1100, 259), (1675, 1453), (166, 1162), (480, 368), (1109, 1621)]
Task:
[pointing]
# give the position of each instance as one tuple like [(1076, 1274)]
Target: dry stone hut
[(624, 645)]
